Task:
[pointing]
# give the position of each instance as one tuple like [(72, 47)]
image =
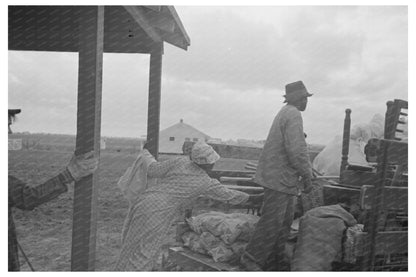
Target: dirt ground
[(45, 233)]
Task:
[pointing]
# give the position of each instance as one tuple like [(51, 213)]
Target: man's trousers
[(267, 245)]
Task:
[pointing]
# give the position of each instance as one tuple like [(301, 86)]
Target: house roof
[(180, 128), (127, 29)]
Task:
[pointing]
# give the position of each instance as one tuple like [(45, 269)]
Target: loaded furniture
[(382, 194)]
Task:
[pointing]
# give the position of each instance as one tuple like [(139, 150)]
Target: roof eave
[(158, 27)]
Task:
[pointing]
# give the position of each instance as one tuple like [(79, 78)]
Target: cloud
[(218, 110), (230, 82), (350, 57), (230, 49)]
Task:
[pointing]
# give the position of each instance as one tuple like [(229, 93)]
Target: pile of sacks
[(221, 236)]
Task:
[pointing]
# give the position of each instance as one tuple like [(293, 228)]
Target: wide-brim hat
[(13, 112), (295, 91)]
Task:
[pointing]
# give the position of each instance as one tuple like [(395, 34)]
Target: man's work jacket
[(285, 155), (27, 197)]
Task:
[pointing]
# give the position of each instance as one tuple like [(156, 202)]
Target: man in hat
[(284, 169), (27, 197)]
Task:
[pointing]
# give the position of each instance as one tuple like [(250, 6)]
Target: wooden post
[(91, 40), (153, 113), (345, 143), (377, 205), (389, 121)]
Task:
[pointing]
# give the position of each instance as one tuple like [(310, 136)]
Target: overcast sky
[(230, 82)]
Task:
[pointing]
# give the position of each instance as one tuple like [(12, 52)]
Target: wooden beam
[(235, 179), (333, 194), (91, 43), (172, 10), (153, 112), (139, 16), (163, 23), (246, 189), (388, 242), (393, 198), (159, 17), (345, 142)]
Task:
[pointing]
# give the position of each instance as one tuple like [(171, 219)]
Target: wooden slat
[(397, 152), (329, 178), (191, 261), (153, 113), (393, 242), (332, 194), (392, 118), (357, 178), (394, 197), (88, 136), (246, 189), (161, 20), (231, 173), (185, 41), (204, 202), (235, 179), (249, 153), (390, 151), (232, 164), (237, 151)]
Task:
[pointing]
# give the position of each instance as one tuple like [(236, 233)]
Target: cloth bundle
[(222, 236), (328, 161), (134, 181), (320, 238)]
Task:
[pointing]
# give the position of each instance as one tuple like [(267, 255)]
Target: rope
[(24, 255)]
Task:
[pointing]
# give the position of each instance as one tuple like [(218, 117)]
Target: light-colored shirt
[(285, 155)]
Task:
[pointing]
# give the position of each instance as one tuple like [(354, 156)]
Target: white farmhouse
[(172, 138)]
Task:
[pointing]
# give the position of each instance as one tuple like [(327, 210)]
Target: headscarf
[(203, 153)]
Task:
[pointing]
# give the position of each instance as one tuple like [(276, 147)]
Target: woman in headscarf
[(153, 211)]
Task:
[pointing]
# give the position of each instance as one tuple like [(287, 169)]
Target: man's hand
[(146, 146), (307, 185), (82, 165)]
